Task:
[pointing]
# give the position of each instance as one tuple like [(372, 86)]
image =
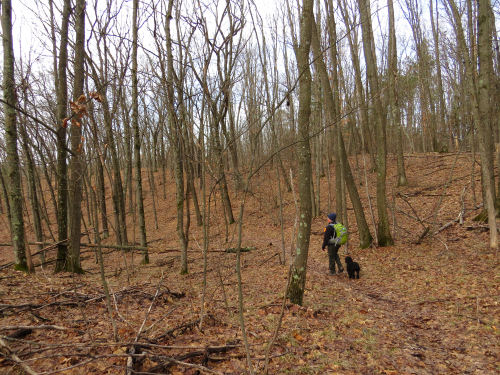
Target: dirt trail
[(409, 336)]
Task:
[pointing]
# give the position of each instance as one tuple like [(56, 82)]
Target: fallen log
[(242, 249)]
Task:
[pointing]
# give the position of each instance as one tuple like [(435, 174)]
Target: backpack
[(341, 235)]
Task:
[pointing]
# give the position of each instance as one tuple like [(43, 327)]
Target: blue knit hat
[(332, 216)]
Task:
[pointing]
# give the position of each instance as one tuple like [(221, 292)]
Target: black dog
[(352, 268)]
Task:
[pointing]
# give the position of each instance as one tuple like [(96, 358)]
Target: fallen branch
[(185, 364), (141, 344), (53, 245), (242, 249), (59, 328), (14, 358), (37, 306)]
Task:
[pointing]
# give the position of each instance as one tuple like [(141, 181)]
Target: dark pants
[(333, 257)]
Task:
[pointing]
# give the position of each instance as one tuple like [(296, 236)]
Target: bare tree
[(383, 230)]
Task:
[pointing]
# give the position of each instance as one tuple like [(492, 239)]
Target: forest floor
[(420, 307)]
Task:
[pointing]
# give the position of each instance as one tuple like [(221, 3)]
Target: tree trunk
[(32, 190), (299, 268), (384, 234), (334, 114), (62, 178), (393, 95), (174, 123), (232, 144), (99, 170), (127, 179), (76, 165), (485, 109), (442, 105), (137, 138), (367, 135), (6, 196), (116, 183), (10, 128)]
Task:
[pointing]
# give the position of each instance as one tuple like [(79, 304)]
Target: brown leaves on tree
[(96, 96), (79, 108)]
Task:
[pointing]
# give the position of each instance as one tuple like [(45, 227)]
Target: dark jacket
[(329, 233)]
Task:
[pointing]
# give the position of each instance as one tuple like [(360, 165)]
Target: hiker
[(333, 247)]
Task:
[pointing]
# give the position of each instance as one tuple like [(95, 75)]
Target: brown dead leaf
[(298, 336)]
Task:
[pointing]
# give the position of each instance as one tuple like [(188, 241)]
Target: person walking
[(333, 247)]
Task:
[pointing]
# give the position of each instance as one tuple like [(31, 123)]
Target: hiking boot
[(341, 270), (332, 273)]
